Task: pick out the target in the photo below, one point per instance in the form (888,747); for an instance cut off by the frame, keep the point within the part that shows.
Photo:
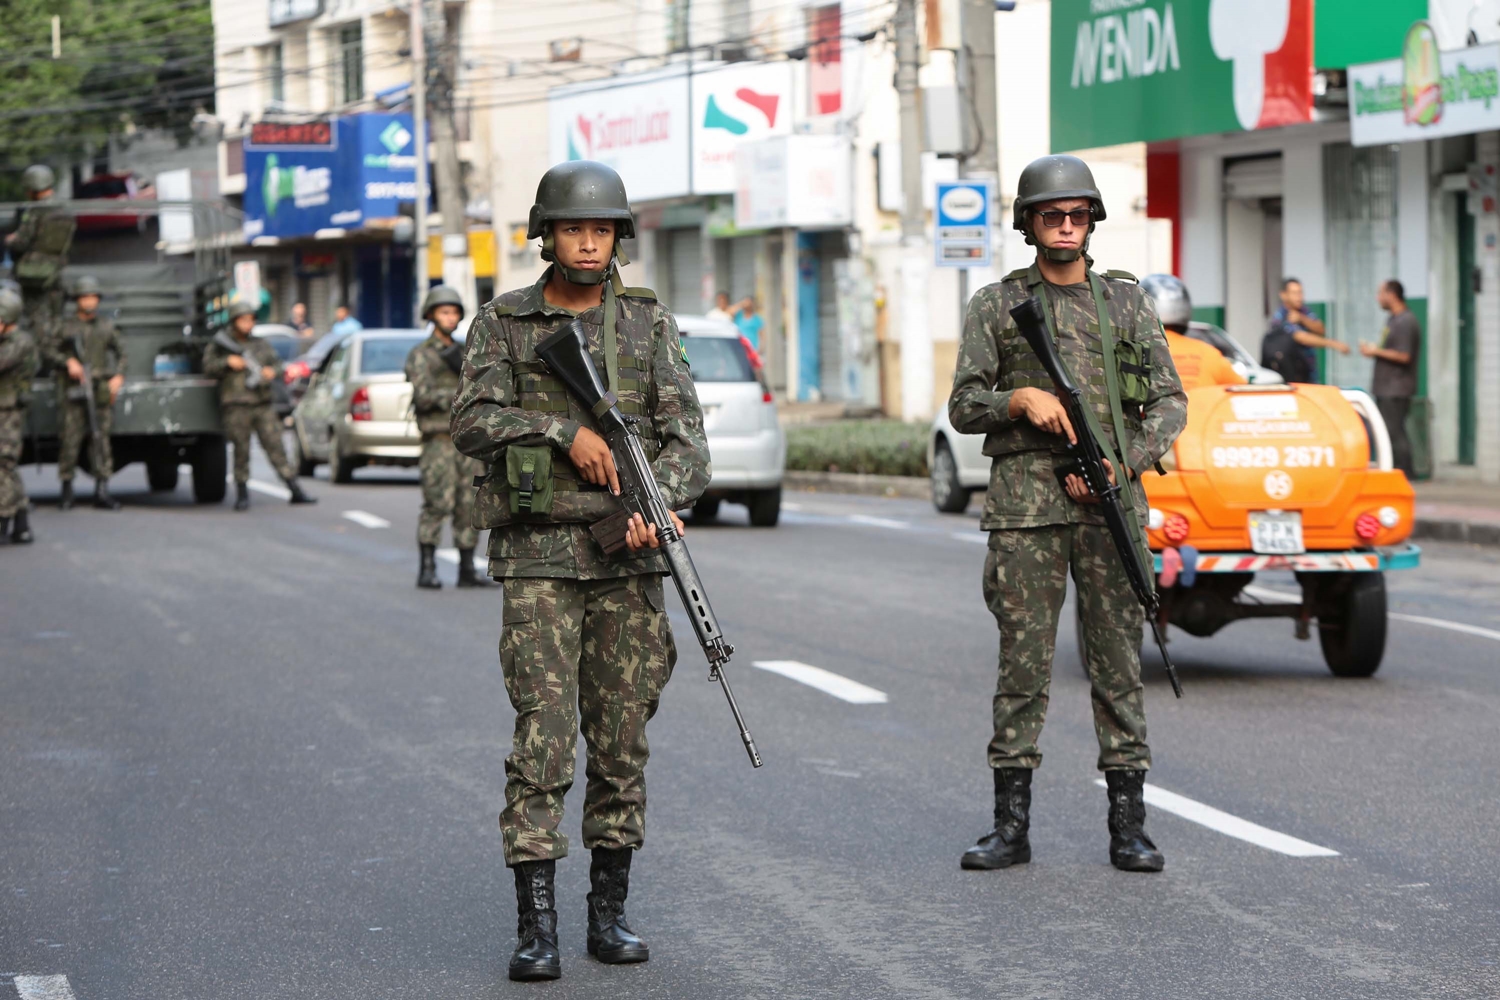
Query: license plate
(1276,532)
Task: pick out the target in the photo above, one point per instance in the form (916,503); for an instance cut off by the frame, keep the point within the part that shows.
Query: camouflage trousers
(1025,581)
(12,490)
(75,427)
(41,311)
(447,492)
(601,650)
(239,422)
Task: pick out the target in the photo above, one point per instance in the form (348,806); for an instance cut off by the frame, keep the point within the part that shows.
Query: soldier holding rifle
(585,633)
(1043,524)
(89,358)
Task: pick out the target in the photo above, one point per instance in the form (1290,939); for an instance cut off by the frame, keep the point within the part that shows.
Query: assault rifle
(253,377)
(1087,462)
(566,353)
(88,390)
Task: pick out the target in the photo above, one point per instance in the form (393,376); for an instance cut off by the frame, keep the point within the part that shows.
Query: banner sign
(1426,93)
(963,222)
(292,135)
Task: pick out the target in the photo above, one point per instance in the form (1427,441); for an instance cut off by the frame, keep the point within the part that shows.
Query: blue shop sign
(296,190)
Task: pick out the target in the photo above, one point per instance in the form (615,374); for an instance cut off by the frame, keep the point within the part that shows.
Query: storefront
(1284,149)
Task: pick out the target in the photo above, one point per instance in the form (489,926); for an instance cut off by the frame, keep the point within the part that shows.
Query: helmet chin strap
(1061,255)
(576,277)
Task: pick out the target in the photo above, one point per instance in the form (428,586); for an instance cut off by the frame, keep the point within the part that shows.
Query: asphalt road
(242,757)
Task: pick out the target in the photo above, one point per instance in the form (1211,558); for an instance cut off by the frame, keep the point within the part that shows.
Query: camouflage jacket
(232,389)
(40,245)
(433,386)
(505,399)
(994,361)
(103,351)
(19,359)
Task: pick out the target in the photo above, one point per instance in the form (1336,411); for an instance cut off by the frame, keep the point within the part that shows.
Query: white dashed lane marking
(44,988)
(880,522)
(270,489)
(1230,826)
(826,681)
(365,519)
(1284,597)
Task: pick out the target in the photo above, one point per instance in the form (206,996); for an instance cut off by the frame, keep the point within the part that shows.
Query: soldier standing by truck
(432,368)
(40,249)
(18,363)
(245,367)
(90,363)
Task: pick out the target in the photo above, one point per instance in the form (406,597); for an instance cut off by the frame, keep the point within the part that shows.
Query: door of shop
(1468,274)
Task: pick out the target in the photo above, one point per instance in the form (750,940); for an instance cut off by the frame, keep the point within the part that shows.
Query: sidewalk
(1458,511)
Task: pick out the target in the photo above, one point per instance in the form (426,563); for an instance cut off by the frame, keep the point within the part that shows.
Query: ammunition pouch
(556,494)
(528,473)
(1133,366)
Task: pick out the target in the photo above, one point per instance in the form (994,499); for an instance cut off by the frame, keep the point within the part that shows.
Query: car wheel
(706,509)
(765,507)
(162,474)
(1353,634)
(304,465)
(948,495)
(340,466)
(210,469)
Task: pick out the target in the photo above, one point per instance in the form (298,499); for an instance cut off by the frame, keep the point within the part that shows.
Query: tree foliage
(124,65)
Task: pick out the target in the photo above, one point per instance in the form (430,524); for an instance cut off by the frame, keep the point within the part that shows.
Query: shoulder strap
(639,292)
(611,339)
(1122,276)
(505,310)
(1112,382)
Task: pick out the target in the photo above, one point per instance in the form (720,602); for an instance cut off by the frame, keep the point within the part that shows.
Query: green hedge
(874,447)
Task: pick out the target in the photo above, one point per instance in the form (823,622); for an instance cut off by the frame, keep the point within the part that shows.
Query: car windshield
(285,347)
(386,355)
(718,359)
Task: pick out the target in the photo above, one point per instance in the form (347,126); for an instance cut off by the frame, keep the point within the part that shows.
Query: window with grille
(275,74)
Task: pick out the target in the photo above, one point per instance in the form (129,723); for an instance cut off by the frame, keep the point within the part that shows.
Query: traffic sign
(963,222)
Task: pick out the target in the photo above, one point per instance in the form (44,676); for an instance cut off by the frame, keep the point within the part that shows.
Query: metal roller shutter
(684,271)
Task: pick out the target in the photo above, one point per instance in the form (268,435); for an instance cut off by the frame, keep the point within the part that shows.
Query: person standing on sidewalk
(1294,322)
(432,368)
(1395,381)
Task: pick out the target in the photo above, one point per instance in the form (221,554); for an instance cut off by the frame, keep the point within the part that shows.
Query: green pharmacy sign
(1426,93)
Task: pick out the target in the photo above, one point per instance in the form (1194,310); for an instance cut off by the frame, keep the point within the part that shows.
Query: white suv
(745,440)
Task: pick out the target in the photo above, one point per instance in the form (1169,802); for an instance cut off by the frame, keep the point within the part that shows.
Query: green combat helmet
(85,284)
(241,307)
(443,295)
(581,189)
(10,307)
(38,178)
(1053,178)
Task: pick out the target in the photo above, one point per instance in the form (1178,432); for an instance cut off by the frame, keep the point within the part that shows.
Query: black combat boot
(241,496)
(536,955)
(610,938)
(297,495)
(466,575)
(102,498)
(20,527)
(65,498)
(427,578)
(1130,850)
(1007,844)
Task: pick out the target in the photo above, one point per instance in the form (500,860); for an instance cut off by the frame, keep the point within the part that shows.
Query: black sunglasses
(1054,218)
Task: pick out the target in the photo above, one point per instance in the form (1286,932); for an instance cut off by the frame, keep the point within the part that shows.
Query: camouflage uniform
(582,632)
(104,353)
(248,409)
(18,363)
(447,475)
(39,248)
(1037,533)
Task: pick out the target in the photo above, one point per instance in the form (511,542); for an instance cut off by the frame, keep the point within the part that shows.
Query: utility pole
(916,337)
(976,68)
(419,125)
(458,268)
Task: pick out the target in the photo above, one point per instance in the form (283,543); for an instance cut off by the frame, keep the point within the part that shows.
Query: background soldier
(1197,363)
(1039,530)
(18,363)
(104,356)
(40,248)
(245,367)
(583,634)
(432,368)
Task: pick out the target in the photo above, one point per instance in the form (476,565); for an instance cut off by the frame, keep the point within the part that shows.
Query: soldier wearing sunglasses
(1042,527)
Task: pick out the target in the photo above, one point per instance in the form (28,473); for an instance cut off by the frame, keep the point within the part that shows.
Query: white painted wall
(1202,169)
(1487,310)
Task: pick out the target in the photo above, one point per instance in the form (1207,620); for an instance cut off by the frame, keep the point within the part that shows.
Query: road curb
(908,487)
(1450,530)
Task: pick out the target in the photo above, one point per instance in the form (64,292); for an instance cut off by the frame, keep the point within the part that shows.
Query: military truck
(168,299)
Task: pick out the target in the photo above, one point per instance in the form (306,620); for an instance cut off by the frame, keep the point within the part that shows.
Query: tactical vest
(1083,353)
(40,265)
(537,483)
(232,388)
(443,377)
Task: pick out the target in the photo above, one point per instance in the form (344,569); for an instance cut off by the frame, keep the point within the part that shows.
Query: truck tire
(765,508)
(161,474)
(706,509)
(949,496)
(1353,636)
(210,467)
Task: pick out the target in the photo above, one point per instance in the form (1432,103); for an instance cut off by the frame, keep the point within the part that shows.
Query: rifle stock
(1088,462)
(566,355)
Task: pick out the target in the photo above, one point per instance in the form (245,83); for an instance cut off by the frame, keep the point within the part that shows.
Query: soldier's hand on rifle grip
(115,385)
(1079,490)
(1043,409)
(75,369)
(591,456)
(235,362)
(639,535)
(268,373)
